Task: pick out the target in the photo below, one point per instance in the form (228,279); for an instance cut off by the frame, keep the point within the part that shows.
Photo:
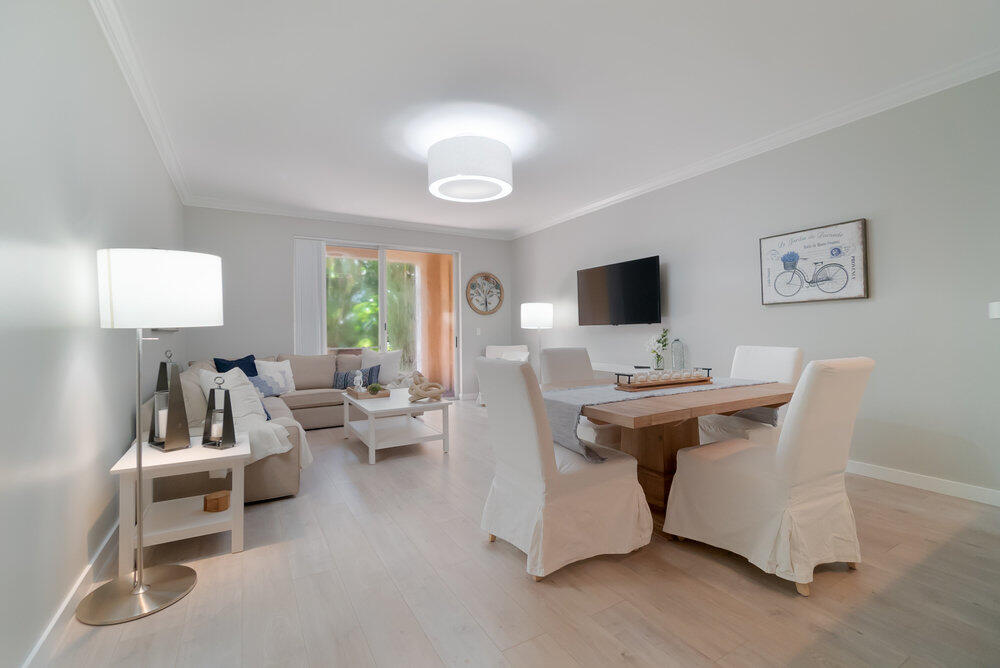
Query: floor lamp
(537,316)
(143,288)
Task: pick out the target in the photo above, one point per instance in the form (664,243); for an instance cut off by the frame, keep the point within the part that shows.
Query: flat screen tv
(626,293)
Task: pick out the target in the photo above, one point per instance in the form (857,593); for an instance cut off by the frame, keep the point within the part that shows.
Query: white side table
(176,519)
(390,421)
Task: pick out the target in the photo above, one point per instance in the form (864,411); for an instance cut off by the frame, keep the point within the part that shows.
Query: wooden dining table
(655,428)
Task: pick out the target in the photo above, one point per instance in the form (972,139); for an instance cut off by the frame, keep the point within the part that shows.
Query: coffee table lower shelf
(392,432)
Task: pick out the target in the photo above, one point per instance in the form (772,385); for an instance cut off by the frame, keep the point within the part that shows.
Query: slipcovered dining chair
(571,366)
(546,500)
(762,425)
(784,507)
(513,353)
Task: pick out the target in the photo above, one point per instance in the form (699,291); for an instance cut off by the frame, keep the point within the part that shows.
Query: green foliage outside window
(352,305)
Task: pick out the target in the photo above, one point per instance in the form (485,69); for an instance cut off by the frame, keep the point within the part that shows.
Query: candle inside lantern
(161,423)
(216,430)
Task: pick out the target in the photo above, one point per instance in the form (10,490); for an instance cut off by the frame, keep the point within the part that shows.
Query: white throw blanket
(266,437)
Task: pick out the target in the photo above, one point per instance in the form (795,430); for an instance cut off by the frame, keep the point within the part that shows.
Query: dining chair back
(782,364)
(517,425)
(565,365)
(816,438)
(546,500)
(512,353)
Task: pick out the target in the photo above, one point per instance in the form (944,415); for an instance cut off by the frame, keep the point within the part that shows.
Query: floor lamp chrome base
(116,601)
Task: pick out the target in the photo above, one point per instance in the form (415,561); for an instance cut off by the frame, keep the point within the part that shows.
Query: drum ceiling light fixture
(469,169)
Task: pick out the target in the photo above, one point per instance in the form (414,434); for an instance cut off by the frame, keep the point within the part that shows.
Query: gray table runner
(564,407)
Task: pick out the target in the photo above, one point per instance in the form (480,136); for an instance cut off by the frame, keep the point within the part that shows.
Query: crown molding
(911,91)
(120,40)
(350,219)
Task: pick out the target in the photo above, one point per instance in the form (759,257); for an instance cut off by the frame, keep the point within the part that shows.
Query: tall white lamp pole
(143,288)
(537,316)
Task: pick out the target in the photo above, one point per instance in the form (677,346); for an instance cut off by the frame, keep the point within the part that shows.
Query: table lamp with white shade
(144,288)
(538,316)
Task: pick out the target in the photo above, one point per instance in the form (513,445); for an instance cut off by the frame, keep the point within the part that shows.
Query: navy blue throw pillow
(345,379)
(246,364)
(370,375)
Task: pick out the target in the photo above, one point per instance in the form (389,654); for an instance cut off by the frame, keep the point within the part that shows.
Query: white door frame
(382,334)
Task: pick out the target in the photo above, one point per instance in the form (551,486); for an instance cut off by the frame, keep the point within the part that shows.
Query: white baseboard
(930,483)
(45,648)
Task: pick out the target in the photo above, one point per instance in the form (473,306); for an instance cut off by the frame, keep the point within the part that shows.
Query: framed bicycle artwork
(818,264)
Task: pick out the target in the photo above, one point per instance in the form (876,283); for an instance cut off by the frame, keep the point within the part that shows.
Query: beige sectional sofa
(313,404)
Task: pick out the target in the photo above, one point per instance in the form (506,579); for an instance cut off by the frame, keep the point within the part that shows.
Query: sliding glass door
(394,299)
(420,312)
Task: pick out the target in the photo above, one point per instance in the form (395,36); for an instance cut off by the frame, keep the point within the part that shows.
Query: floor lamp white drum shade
(469,169)
(994,309)
(146,288)
(536,315)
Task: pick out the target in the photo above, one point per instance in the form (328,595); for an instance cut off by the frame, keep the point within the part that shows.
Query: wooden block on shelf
(216,502)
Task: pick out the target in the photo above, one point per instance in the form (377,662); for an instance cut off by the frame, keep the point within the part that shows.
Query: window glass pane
(401,311)
(351,297)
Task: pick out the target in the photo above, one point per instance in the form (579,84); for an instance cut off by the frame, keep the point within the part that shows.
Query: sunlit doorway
(394,299)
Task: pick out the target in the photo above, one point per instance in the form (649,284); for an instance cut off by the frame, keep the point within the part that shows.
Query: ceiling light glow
(419,128)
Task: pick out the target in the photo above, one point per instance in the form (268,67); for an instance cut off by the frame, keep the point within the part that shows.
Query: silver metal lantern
(168,428)
(220,430)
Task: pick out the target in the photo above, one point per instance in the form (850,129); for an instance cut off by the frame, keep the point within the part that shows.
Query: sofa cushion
(207,365)
(313,398)
(312,371)
(277,408)
(348,362)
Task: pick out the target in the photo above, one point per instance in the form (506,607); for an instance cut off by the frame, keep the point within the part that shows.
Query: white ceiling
(320,107)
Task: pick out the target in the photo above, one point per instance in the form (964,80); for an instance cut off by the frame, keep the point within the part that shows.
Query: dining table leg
(655,449)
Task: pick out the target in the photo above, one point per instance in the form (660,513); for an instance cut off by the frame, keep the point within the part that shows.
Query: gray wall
(78,171)
(256,255)
(926,175)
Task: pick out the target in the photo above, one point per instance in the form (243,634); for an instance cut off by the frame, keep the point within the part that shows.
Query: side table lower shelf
(178,519)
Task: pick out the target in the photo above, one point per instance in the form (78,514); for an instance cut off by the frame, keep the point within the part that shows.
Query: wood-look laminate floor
(386,565)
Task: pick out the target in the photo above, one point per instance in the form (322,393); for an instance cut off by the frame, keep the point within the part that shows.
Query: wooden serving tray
(365,394)
(654,384)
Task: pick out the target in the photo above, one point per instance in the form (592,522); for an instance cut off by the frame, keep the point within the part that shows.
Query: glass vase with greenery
(657,345)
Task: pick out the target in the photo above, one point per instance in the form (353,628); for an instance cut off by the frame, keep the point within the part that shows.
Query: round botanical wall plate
(484,292)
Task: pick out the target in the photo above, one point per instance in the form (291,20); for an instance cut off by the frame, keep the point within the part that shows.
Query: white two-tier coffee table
(390,421)
(176,519)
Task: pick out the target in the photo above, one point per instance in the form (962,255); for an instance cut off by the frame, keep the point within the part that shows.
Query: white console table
(176,519)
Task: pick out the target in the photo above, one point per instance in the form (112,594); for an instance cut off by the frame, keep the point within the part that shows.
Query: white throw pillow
(389,363)
(242,393)
(275,376)
(195,403)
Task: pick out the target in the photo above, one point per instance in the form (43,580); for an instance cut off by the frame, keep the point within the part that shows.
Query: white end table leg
(347,417)
(444,428)
(371,440)
(236,508)
(126,524)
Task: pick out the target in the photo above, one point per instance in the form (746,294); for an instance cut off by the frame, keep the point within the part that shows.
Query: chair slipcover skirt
(575,520)
(778,533)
